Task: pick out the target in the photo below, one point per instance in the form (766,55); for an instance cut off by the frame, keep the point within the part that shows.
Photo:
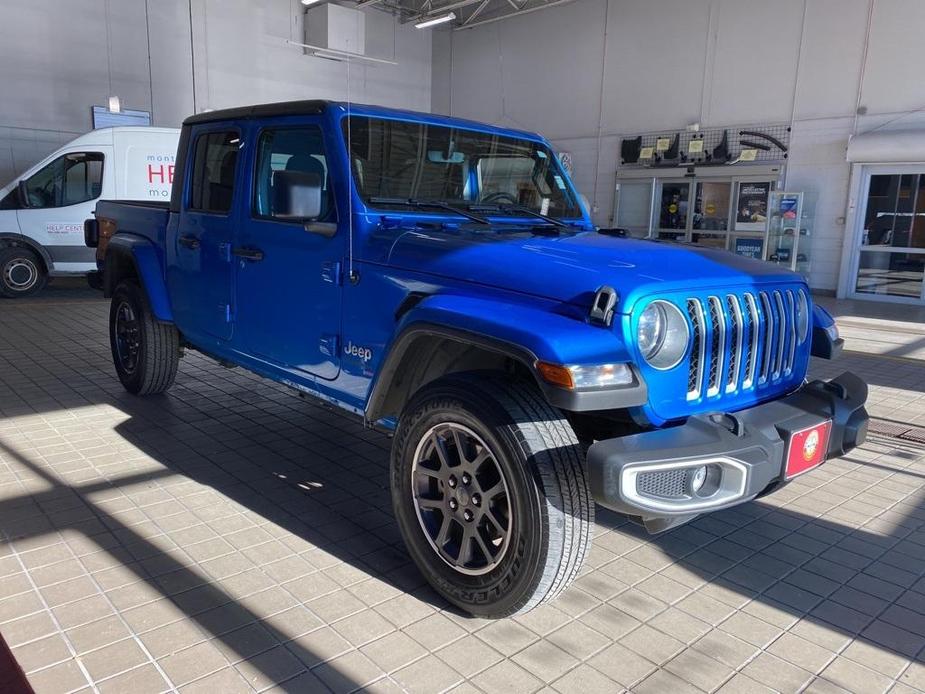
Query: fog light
(698,478)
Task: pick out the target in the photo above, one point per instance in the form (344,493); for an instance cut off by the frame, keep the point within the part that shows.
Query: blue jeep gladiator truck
(441,279)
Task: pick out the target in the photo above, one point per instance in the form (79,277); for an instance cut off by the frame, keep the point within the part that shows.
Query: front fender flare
(523,333)
(140,254)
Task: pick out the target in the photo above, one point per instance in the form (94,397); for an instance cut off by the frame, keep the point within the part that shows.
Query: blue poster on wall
(750,248)
(104,118)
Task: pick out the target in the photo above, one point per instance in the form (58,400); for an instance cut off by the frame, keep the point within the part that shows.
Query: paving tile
(63,677)
(652,644)
(545,660)
(854,677)
(144,678)
(801,652)
(663,681)
(192,663)
(508,637)
(397,649)
(578,640)
(227,681)
(726,648)
(585,679)
(28,628)
(97,634)
(348,672)
(505,676)
(41,653)
(113,659)
(773,672)
(428,674)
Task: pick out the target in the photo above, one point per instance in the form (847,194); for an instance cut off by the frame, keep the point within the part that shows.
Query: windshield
(403,160)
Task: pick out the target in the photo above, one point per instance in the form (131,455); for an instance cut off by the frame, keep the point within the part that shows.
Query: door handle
(248,253)
(190,242)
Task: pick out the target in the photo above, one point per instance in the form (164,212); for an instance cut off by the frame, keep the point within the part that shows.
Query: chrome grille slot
(781,327)
(735,342)
(750,339)
(698,345)
(792,332)
(717,345)
(767,347)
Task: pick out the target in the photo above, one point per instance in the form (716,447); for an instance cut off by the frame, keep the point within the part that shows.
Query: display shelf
(790,226)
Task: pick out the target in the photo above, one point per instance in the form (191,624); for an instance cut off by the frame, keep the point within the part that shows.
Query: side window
(292,180)
(83,177)
(214,160)
(68,180)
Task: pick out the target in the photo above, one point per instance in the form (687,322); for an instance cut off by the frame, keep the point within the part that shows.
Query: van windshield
(397,160)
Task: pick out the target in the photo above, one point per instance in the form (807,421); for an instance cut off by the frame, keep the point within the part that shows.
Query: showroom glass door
(672,210)
(710,221)
(890,258)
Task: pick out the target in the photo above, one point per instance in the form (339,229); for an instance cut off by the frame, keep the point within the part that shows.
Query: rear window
(215,159)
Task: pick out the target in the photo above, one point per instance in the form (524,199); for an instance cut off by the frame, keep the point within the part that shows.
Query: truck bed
(144,218)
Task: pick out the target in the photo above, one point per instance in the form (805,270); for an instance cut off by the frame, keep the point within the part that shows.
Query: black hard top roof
(283,108)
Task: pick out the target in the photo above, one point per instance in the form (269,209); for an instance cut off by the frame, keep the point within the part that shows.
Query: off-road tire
(158,344)
(552,511)
(22,272)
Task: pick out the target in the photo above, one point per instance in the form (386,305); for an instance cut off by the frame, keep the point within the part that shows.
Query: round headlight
(802,316)
(662,335)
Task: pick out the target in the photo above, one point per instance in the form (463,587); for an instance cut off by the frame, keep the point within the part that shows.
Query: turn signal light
(555,374)
(585,376)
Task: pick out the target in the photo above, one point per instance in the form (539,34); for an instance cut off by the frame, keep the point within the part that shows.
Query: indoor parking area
(462,346)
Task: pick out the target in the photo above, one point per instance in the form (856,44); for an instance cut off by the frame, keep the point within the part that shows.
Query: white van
(42,213)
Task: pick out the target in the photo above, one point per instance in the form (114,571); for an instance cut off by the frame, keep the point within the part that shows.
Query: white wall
(54,66)
(588,72)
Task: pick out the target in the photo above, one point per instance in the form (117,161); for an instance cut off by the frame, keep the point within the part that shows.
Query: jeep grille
(740,341)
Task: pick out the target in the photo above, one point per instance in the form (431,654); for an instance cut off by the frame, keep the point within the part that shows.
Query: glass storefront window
(895,211)
(891,274)
(633,210)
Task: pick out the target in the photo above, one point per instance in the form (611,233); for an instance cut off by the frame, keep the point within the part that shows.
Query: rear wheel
(490,492)
(145,352)
(22,272)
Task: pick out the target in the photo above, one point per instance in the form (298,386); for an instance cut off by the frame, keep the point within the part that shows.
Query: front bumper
(649,474)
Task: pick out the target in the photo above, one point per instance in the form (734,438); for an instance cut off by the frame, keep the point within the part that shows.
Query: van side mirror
(91,233)
(296,195)
(23,194)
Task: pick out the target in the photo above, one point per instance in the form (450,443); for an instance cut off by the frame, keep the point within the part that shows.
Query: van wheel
(145,352)
(490,492)
(22,272)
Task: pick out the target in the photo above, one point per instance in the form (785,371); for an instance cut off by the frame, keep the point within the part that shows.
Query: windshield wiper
(513,207)
(433,204)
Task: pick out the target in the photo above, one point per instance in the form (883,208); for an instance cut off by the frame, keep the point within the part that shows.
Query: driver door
(288,279)
(62,194)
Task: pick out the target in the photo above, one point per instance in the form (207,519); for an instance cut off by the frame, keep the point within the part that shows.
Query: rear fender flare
(130,255)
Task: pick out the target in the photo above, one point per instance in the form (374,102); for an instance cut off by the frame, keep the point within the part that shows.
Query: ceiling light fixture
(310,2)
(433,22)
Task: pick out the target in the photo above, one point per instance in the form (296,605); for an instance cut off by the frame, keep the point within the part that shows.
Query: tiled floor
(233,537)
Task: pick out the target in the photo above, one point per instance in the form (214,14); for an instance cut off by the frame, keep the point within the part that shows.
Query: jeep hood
(570,268)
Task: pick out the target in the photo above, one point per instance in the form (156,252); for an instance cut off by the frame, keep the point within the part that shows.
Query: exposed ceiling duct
(466,13)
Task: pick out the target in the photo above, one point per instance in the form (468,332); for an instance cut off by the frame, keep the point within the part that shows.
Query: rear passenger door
(199,263)
(288,279)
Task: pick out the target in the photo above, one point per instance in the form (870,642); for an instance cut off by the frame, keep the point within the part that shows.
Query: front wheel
(145,352)
(22,272)
(490,492)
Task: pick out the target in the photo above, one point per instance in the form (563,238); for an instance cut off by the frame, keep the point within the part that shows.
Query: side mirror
(297,195)
(23,194)
(91,233)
